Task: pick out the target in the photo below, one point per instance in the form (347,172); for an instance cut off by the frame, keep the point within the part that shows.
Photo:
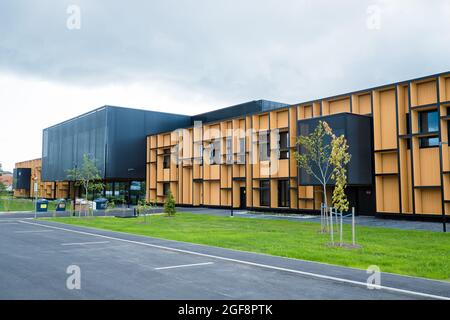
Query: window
(166,188)
(166,160)
(264,193)
(229,151)
(264,146)
(283,193)
(214,152)
(284,145)
(408,131)
(448,125)
(241,155)
(429,123)
(199,156)
(176,154)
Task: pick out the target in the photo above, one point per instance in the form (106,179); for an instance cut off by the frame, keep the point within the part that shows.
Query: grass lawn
(14,204)
(416,253)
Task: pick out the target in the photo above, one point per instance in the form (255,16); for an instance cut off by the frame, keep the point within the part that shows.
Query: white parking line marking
(33,231)
(315,275)
(185,265)
(83,243)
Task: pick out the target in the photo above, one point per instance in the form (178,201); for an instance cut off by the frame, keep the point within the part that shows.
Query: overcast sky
(192,56)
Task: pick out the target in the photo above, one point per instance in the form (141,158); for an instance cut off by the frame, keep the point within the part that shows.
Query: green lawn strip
(24,205)
(415,253)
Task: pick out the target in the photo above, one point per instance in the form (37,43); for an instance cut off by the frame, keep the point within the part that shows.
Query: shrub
(169,205)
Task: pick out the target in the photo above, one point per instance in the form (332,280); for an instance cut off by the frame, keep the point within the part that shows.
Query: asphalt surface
(35,255)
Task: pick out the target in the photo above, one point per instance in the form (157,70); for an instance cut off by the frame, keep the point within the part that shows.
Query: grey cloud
(289,50)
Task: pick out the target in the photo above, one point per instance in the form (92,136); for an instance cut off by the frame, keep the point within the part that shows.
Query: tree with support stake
(88,177)
(324,156)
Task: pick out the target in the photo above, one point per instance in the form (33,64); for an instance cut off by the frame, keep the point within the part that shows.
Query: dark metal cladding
(238,110)
(22,178)
(358,132)
(126,139)
(114,136)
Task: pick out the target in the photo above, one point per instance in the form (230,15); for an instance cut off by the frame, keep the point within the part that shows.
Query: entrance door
(366,201)
(363,199)
(242,197)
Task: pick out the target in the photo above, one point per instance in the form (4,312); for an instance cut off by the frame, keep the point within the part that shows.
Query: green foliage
(87,176)
(325,161)
(316,154)
(144,208)
(169,204)
(2,188)
(111,205)
(17,204)
(339,159)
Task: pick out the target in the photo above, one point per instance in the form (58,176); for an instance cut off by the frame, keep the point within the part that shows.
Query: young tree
(169,204)
(2,188)
(324,156)
(87,176)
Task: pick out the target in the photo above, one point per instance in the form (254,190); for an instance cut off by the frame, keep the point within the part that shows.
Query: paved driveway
(35,256)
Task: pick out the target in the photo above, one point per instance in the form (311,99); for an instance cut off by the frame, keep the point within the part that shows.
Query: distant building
(7,179)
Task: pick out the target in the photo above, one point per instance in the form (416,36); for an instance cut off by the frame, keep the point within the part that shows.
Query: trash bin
(101,203)
(61,205)
(41,205)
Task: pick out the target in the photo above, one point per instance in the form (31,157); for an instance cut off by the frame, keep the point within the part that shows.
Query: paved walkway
(360,220)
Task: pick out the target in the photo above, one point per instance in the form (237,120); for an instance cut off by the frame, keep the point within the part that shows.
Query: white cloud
(29,105)
(191,56)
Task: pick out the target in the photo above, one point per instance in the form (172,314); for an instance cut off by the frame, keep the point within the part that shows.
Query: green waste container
(41,205)
(101,204)
(61,205)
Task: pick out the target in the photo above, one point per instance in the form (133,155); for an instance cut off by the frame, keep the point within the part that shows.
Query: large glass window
(137,191)
(284,144)
(283,193)
(229,150)
(166,160)
(241,155)
(199,156)
(429,123)
(264,146)
(264,193)
(166,188)
(214,152)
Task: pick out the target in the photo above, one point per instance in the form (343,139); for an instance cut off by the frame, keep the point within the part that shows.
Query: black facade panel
(358,132)
(126,139)
(65,144)
(115,137)
(22,178)
(238,110)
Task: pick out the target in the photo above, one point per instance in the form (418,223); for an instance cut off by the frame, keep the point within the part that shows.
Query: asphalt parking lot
(35,257)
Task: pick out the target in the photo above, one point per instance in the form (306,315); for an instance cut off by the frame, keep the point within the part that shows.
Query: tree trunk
(324,186)
(87,201)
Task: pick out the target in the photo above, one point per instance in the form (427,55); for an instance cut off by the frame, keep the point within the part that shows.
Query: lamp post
(444,222)
(130,170)
(35,189)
